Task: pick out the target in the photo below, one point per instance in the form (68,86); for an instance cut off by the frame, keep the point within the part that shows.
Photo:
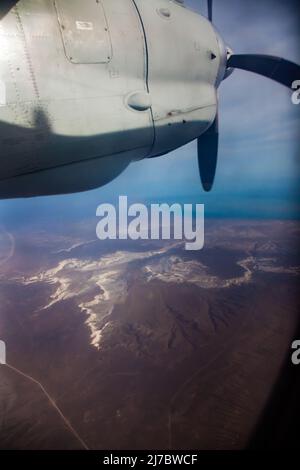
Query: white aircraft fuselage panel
(86,40)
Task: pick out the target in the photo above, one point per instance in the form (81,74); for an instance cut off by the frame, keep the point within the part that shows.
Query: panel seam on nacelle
(27,54)
(147,72)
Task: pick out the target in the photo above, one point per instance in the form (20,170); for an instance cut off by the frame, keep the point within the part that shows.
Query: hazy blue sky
(258,171)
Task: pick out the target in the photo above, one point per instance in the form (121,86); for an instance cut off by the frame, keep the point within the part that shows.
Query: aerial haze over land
(132,345)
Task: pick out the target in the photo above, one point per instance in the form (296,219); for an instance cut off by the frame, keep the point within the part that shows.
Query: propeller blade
(210,9)
(281,70)
(208,144)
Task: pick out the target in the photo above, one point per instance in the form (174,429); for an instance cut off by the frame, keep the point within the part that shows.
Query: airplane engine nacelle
(186,62)
(105,79)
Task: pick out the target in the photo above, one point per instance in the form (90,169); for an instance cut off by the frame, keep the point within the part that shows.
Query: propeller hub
(229,52)
(225,54)
(229,70)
